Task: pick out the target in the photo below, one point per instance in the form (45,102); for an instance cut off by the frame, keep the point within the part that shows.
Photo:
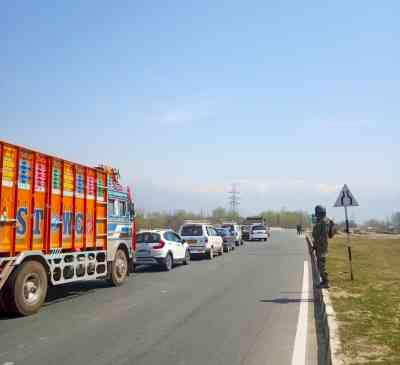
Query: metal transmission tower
(234,198)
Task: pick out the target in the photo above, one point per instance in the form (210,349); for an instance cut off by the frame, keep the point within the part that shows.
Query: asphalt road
(241,308)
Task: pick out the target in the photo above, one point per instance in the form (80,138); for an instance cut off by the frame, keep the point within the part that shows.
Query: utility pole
(234,199)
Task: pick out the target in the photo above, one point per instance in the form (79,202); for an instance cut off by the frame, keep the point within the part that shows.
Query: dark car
(245,232)
(228,239)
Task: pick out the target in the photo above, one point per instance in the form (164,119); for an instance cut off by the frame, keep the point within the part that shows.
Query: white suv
(161,247)
(202,238)
(235,229)
(258,232)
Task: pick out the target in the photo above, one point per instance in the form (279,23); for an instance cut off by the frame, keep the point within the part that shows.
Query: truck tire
(119,268)
(26,289)
(3,308)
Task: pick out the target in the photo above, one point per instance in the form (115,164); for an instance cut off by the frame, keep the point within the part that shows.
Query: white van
(202,239)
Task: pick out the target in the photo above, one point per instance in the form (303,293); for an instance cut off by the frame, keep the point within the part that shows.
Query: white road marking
(300,342)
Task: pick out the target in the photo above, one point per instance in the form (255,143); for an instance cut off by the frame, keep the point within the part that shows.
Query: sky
(290,100)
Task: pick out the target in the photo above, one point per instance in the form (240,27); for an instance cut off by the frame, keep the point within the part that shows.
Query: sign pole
(346,199)
(349,243)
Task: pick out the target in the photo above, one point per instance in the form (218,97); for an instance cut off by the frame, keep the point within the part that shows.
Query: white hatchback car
(202,239)
(162,248)
(258,232)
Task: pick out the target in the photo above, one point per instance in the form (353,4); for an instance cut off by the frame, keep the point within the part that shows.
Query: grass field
(368,309)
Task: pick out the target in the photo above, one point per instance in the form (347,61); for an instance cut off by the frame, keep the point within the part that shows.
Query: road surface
(241,308)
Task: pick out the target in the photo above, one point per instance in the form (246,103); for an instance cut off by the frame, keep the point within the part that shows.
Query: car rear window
(258,228)
(222,232)
(148,237)
(192,230)
(229,226)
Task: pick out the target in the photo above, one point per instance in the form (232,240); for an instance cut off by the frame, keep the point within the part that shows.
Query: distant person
(299,229)
(323,229)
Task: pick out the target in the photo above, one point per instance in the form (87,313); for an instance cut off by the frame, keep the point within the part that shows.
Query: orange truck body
(49,203)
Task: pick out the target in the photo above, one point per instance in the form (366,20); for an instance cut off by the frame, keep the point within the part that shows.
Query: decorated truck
(60,222)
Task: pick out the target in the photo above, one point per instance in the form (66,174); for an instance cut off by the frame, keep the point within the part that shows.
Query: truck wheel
(119,268)
(168,262)
(3,308)
(26,289)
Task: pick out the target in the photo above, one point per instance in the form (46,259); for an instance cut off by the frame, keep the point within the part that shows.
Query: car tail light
(225,239)
(206,240)
(160,244)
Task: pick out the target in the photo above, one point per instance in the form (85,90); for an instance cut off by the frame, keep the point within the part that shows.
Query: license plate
(143,253)
(190,242)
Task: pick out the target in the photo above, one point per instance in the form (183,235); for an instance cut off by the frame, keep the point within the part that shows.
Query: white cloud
(327,188)
(282,185)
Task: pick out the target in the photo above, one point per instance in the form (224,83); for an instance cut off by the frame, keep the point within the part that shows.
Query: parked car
(228,239)
(202,239)
(235,229)
(162,248)
(258,232)
(245,232)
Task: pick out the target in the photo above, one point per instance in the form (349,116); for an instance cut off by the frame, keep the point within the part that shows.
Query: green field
(368,309)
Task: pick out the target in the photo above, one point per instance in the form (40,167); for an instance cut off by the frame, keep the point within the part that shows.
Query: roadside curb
(326,317)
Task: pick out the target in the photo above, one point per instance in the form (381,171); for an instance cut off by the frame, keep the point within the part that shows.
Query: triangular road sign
(346,198)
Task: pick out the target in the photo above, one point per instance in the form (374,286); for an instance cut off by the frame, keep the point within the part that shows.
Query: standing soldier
(323,229)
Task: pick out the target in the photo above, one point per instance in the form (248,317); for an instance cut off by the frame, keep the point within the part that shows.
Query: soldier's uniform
(320,236)
(323,229)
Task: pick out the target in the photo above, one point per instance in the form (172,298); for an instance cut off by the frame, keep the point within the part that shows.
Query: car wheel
(168,262)
(26,289)
(221,251)
(187,258)
(119,268)
(210,254)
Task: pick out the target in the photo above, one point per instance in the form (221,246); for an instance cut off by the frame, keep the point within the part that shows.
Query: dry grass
(368,309)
